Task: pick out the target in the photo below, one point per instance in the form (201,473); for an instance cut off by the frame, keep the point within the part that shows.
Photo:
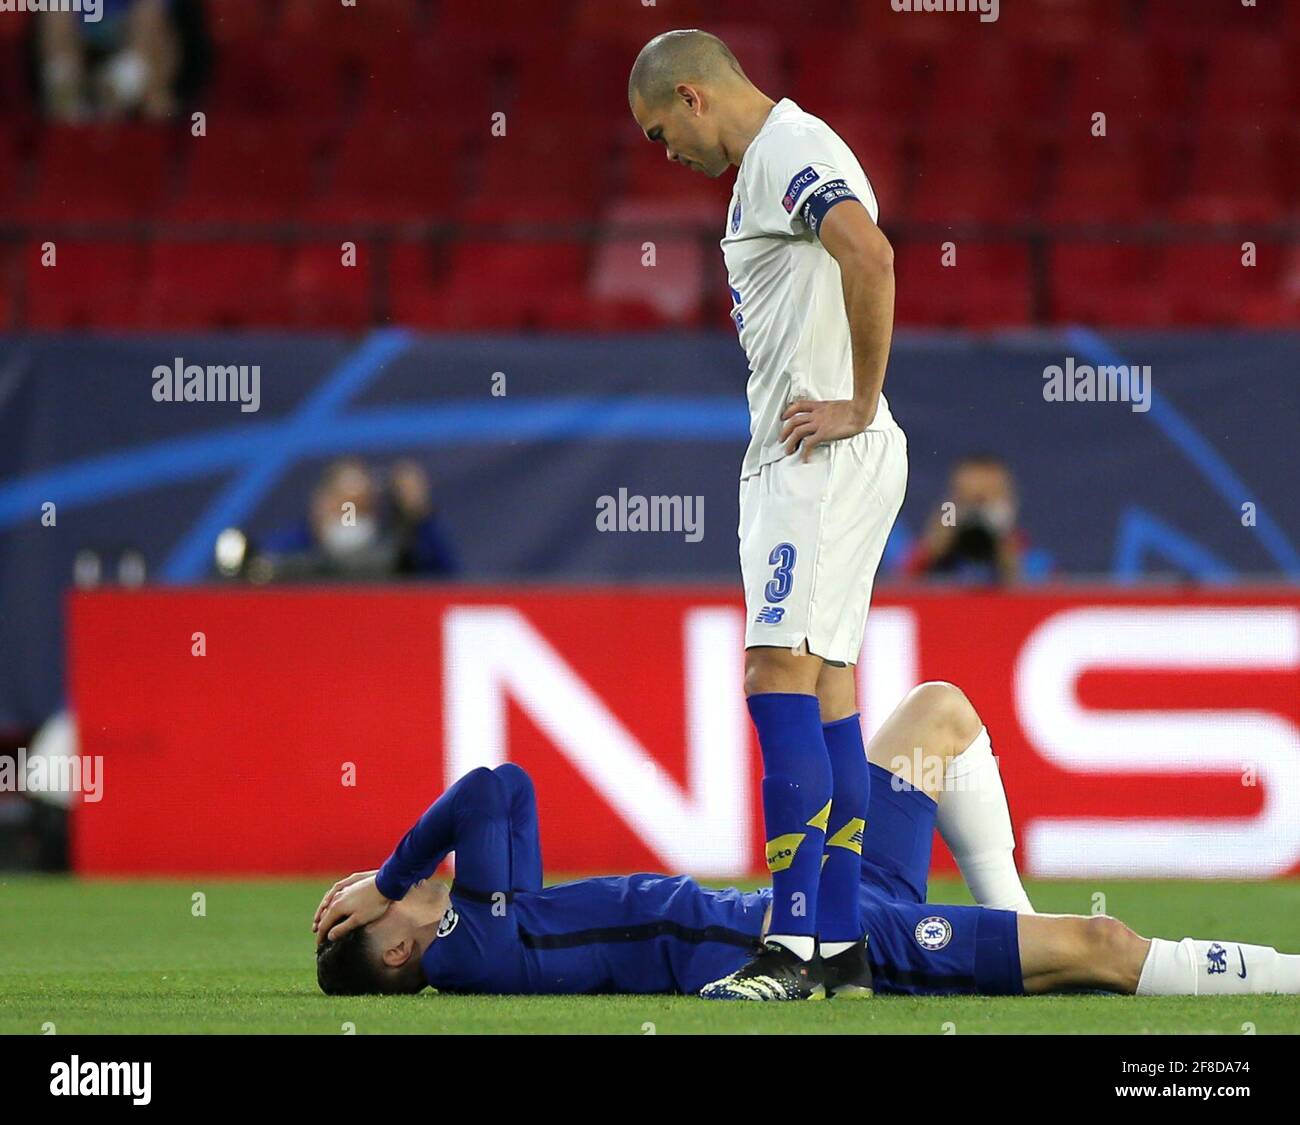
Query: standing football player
(812,287)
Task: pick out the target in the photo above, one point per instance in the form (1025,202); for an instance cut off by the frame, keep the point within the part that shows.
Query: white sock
(800,945)
(975,823)
(1216,968)
(830,948)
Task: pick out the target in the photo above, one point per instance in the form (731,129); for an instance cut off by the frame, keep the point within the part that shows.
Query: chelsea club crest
(933,933)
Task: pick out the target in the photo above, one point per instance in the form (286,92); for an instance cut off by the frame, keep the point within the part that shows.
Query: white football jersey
(787,299)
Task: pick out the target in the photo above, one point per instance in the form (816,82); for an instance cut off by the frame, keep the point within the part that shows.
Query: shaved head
(679,56)
(688,93)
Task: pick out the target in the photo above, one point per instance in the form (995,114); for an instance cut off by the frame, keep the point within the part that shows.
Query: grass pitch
(132,957)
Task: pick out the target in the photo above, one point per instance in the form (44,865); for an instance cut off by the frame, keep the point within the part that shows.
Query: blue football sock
(796,804)
(839,913)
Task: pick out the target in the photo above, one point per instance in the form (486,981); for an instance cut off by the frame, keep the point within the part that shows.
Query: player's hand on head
(333,892)
(355,905)
(809,423)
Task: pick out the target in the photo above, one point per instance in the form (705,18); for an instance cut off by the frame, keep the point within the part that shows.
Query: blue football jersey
(625,933)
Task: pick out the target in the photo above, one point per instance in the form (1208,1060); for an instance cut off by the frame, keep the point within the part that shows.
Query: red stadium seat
(402,81)
(375,120)
(283,76)
(1252,80)
(906,31)
(1103,179)
(14,28)
(878,148)
(964,176)
(533,173)
(975,89)
(12,179)
(14,95)
(1278,303)
(357,27)
(93,284)
(1207,283)
(206,285)
(413,289)
(758,47)
(1139,85)
(247,170)
(8,289)
(234,26)
(721,13)
(647,173)
(626,27)
(515,25)
(673,287)
(528,217)
(1108,283)
(498,284)
(832,73)
(597,76)
(1067,24)
(1288,161)
(987,287)
(1237,176)
(1193,26)
(393,171)
(100,173)
(580,312)
(324,293)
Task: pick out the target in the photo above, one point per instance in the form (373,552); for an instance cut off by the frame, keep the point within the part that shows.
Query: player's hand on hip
(333,892)
(812,423)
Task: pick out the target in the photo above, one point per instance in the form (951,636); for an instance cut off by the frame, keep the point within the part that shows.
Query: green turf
(125,957)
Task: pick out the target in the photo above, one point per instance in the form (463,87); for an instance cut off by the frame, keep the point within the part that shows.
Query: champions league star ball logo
(735,218)
(933,933)
(448,922)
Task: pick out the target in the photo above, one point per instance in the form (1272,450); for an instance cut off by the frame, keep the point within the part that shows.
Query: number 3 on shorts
(782,557)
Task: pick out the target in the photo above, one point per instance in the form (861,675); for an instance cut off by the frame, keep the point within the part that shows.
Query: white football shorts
(811,538)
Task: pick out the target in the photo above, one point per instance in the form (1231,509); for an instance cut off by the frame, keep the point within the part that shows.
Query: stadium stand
(321,129)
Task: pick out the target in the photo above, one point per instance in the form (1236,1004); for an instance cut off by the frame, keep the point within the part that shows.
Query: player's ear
(397,954)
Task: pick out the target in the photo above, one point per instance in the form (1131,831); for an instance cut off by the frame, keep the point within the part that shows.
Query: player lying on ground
(498,930)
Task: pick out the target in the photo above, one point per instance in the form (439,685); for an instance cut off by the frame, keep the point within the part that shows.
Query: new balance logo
(770,615)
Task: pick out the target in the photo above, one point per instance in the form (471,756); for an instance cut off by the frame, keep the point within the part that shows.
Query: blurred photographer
(360,526)
(972,537)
